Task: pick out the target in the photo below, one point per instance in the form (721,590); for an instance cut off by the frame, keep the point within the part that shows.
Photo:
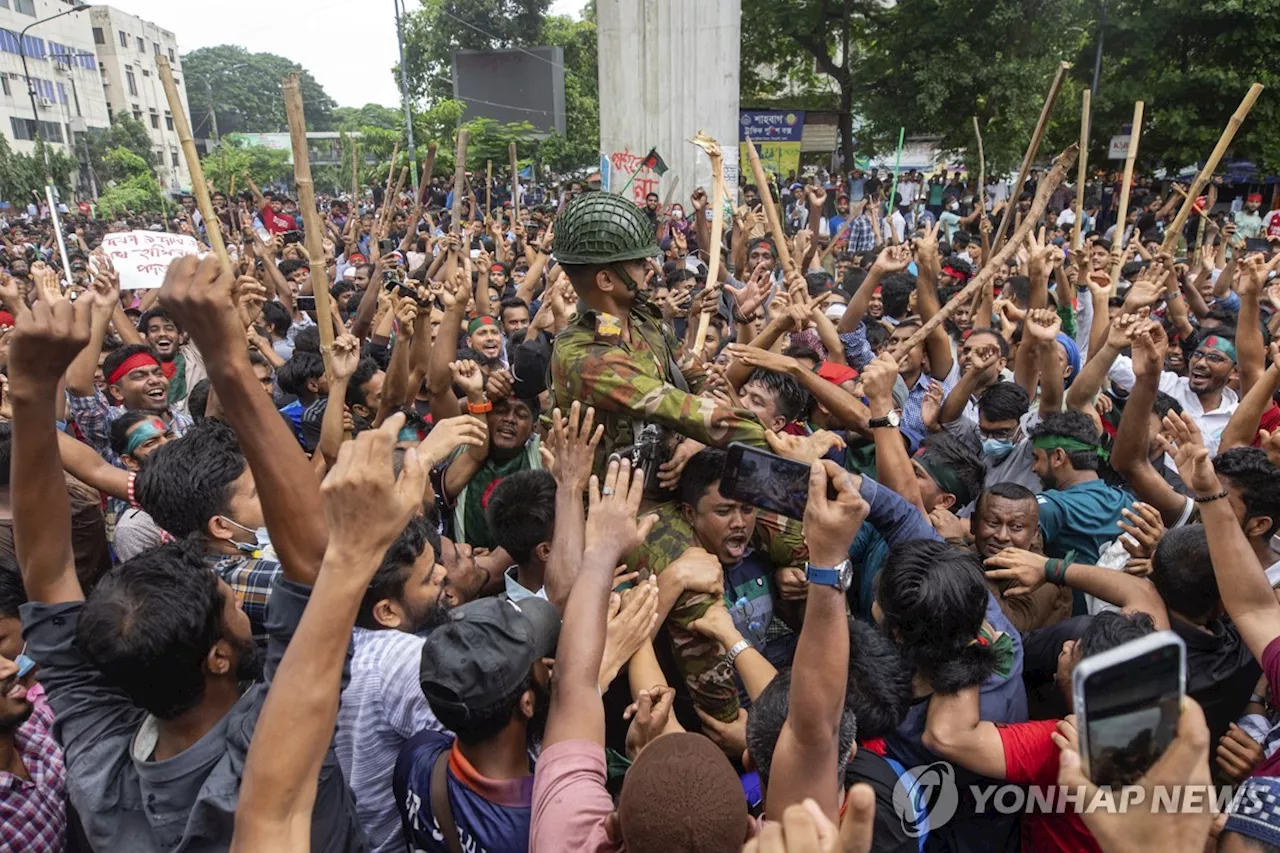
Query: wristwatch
(737,649)
(839,576)
(890,420)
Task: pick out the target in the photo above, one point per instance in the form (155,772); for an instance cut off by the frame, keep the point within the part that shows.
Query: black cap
(474,661)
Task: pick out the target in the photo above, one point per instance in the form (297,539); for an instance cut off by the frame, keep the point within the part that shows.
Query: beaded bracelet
(1211,498)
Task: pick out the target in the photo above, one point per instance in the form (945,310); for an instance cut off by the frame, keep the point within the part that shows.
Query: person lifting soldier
(616,355)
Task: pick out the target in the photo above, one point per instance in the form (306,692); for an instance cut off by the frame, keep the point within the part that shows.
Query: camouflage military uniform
(633,383)
(705,668)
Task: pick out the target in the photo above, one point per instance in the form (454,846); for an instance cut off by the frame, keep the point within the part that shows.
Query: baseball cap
(474,661)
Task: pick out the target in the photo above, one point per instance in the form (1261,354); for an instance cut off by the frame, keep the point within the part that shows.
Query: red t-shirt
(1031,758)
(277,223)
(1271,669)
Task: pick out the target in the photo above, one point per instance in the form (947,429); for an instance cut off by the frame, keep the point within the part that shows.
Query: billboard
(524,84)
(776,134)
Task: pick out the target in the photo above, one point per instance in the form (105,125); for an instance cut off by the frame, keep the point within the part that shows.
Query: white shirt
(1211,423)
(382,707)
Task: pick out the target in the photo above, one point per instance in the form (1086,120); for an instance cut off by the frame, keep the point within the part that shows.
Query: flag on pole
(653,160)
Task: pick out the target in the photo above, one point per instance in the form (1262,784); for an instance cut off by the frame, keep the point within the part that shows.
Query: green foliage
(490,140)
(235,157)
(370,115)
(1192,63)
(133,190)
(579,146)
(244,88)
(125,132)
(23,174)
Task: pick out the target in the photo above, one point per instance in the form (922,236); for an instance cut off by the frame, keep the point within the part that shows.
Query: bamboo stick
(1047,185)
(1180,191)
(770,212)
(1033,148)
(982,170)
(391,169)
(515,184)
(1086,119)
(1117,245)
(1237,118)
(198,187)
(712,148)
(459,179)
(355,174)
(310,217)
(428,169)
(488,189)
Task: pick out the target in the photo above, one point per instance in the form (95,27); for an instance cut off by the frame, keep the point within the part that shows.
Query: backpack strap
(440,802)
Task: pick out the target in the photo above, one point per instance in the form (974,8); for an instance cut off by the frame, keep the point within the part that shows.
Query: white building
(64,73)
(127,48)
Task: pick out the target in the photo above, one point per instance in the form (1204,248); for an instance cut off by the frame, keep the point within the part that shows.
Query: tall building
(64,73)
(127,48)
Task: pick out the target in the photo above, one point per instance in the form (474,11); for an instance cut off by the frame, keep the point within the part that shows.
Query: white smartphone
(1127,704)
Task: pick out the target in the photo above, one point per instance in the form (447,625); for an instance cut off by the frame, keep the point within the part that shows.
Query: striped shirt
(382,707)
(33,812)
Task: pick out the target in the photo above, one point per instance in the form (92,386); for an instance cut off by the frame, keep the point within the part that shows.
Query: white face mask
(953,207)
(677,213)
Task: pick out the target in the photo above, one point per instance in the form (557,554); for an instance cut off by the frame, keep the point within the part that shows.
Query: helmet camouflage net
(602,228)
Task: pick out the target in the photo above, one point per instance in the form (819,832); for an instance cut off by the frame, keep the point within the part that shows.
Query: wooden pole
(770,212)
(488,189)
(1171,233)
(1049,183)
(515,184)
(355,175)
(391,169)
(428,169)
(310,217)
(1180,191)
(1211,199)
(712,148)
(1123,210)
(459,180)
(1037,137)
(198,187)
(982,170)
(1086,119)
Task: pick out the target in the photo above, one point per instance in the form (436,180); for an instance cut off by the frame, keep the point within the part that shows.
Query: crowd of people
(464,579)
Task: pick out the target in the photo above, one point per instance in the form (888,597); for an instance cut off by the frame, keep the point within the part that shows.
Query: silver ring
(606,491)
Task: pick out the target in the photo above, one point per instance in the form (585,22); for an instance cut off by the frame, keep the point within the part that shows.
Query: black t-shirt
(1221,672)
(889,836)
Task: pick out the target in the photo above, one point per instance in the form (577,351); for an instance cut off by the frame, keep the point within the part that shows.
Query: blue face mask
(260,548)
(997,448)
(25,665)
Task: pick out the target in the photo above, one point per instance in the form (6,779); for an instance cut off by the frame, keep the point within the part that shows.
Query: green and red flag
(653,160)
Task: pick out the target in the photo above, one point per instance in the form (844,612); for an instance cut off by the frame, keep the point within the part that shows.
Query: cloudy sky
(350,52)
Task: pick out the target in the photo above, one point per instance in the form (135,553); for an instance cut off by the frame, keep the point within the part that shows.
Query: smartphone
(306,303)
(1127,704)
(291,237)
(475,253)
(760,478)
(1258,244)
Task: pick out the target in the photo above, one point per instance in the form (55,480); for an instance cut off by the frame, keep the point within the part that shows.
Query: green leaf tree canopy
(244,90)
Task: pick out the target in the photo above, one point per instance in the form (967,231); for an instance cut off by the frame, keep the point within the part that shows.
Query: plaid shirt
(862,237)
(251,580)
(33,812)
(94,415)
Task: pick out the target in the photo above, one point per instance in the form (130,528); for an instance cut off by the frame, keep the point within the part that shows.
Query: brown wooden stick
(391,169)
(1086,105)
(770,212)
(198,187)
(1237,118)
(310,217)
(488,189)
(355,172)
(712,148)
(1047,185)
(982,169)
(428,169)
(459,179)
(515,184)
(1180,191)
(1122,212)
(1032,150)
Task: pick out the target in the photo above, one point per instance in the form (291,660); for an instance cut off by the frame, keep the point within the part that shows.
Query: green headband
(483,320)
(1070,445)
(1221,344)
(144,432)
(946,479)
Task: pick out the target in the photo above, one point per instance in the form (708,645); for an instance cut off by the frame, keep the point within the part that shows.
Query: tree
(370,115)
(1191,63)
(236,157)
(441,27)
(135,190)
(244,89)
(579,146)
(23,174)
(125,132)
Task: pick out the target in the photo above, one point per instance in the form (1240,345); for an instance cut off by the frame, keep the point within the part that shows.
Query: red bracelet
(133,501)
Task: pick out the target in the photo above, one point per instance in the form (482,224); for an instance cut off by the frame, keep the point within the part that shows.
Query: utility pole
(404,94)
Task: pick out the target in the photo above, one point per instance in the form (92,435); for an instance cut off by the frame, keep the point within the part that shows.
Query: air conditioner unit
(46,102)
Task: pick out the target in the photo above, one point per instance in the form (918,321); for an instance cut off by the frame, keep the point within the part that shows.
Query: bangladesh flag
(653,160)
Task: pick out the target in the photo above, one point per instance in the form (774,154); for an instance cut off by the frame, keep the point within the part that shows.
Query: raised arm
(889,261)
(893,465)
(568,453)
(805,760)
(1087,385)
(365,509)
(42,345)
(1247,417)
(199,295)
(955,731)
(87,465)
(80,373)
(928,266)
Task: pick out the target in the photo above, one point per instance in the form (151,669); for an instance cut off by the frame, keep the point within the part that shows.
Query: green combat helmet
(602,228)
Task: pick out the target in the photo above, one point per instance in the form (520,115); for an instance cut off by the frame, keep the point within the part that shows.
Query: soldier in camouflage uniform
(616,355)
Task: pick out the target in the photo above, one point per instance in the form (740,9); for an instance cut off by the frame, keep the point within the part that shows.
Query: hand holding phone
(773,483)
(306,303)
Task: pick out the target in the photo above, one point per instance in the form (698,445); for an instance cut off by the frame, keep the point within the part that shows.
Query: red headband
(133,362)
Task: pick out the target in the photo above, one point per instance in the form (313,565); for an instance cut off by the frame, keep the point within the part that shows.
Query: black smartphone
(760,478)
(1258,244)
(306,303)
(291,237)
(1127,703)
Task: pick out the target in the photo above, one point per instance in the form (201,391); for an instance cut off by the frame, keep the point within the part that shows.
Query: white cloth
(1211,423)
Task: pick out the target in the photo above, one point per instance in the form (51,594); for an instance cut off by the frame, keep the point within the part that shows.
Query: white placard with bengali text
(142,257)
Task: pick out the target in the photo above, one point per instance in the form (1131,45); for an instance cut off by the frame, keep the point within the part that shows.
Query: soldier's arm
(702,664)
(611,381)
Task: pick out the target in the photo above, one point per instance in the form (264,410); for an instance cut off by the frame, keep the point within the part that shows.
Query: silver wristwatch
(737,649)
